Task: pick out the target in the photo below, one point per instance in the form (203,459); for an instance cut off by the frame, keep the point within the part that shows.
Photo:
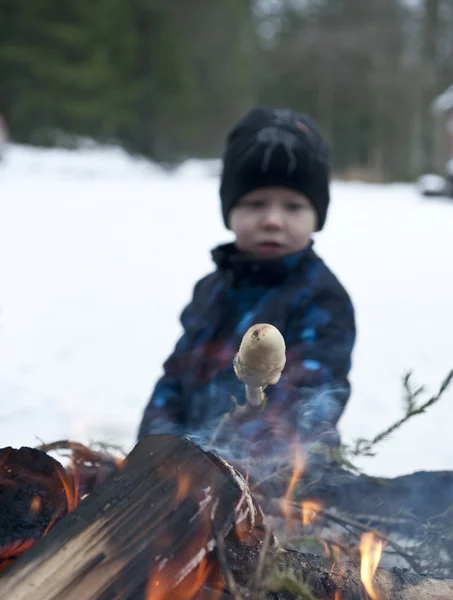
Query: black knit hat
(276,148)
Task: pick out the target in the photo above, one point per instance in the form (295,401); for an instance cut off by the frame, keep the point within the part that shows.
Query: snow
(99,253)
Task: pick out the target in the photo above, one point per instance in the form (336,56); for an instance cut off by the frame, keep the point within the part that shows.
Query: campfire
(173,521)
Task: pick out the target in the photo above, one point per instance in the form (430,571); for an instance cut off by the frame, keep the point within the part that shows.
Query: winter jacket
(300,296)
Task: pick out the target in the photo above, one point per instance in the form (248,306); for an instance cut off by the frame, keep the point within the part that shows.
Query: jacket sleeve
(314,387)
(165,412)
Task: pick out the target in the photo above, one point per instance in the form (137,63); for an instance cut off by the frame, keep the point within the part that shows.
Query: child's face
(272,222)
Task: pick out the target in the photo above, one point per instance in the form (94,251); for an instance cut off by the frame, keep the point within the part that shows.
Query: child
(274,195)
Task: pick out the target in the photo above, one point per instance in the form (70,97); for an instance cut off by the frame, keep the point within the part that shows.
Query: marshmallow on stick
(260,360)
(258,363)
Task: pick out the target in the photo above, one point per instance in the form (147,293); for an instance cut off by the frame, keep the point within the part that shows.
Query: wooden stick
(258,363)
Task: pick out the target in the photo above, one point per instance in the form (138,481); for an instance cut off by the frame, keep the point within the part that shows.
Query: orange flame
(183,487)
(299,464)
(200,577)
(35,506)
(370,551)
(339,571)
(309,510)
(160,587)
(205,570)
(174,577)
(71,489)
(243,534)
(9,552)
(120,463)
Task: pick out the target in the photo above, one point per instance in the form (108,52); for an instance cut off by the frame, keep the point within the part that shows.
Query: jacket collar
(237,266)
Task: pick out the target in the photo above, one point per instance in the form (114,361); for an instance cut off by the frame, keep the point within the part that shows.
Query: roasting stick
(258,363)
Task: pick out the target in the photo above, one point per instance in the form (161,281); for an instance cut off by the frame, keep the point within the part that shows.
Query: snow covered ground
(99,252)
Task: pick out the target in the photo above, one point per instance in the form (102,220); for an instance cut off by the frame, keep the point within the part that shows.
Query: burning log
(146,532)
(35,493)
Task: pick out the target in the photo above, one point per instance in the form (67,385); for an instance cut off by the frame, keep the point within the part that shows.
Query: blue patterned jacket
(299,295)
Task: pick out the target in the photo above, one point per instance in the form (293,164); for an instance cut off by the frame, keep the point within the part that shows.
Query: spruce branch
(412,407)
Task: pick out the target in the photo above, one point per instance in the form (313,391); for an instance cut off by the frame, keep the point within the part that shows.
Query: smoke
(265,447)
